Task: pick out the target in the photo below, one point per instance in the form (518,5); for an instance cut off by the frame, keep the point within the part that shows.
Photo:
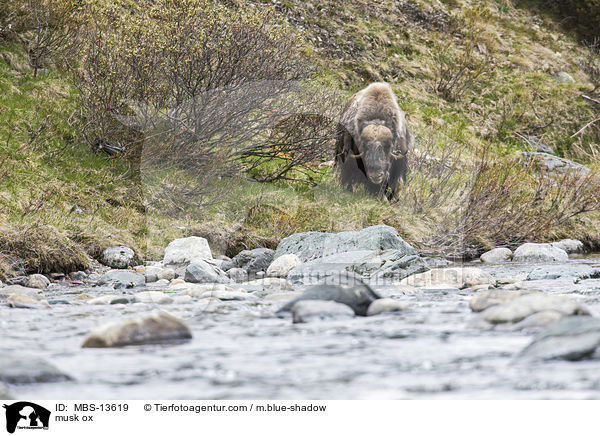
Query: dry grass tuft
(42,249)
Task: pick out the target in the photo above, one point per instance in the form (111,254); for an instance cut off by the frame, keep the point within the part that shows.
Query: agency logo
(26,415)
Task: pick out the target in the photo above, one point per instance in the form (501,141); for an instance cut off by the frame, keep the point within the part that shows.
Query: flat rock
(229,295)
(497,255)
(155,297)
(318,310)
(282,296)
(376,266)
(571,338)
(406,289)
(552,272)
(538,319)
(458,277)
(25,302)
(7,291)
(28,368)
(187,250)
(122,278)
(492,297)
(158,327)
(359,296)
(385,305)
(523,306)
(118,257)
(203,272)
(104,299)
(554,164)
(313,245)
(569,245)
(282,266)
(197,291)
(531,252)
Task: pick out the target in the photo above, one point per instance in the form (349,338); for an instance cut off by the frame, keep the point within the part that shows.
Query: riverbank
(439,335)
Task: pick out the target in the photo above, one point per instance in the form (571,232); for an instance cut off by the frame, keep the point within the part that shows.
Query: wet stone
(385,305)
(28,368)
(523,306)
(158,327)
(317,310)
(122,279)
(571,338)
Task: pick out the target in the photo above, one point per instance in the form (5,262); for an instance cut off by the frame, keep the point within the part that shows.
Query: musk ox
(373,141)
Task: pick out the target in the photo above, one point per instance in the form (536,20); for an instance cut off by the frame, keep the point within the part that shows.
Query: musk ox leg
(398,171)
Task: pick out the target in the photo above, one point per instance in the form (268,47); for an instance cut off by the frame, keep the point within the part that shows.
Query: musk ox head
(375,146)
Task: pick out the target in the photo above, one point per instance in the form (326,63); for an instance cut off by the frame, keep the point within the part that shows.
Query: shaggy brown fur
(373,141)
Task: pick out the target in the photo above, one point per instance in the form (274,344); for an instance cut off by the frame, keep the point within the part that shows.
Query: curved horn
(356,156)
(398,155)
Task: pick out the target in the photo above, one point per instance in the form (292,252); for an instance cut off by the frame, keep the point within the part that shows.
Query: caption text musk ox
(373,141)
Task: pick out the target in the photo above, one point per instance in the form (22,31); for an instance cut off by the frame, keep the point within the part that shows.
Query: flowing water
(240,351)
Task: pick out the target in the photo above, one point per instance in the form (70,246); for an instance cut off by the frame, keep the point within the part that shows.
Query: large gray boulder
(571,338)
(252,261)
(119,257)
(184,251)
(158,327)
(313,245)
(201,271)
(531,252)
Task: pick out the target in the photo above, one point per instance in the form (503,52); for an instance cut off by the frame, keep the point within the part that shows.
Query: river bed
(239,350)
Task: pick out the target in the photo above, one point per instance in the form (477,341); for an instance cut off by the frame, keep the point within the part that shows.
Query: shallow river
(240,351)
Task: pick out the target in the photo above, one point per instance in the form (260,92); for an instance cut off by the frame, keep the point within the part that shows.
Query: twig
(590,98)
(581,130)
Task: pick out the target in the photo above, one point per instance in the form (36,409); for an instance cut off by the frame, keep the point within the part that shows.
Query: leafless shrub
(456,72)
(509,202)
(43,27)
(591,64)
(436,174)
(201,90)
